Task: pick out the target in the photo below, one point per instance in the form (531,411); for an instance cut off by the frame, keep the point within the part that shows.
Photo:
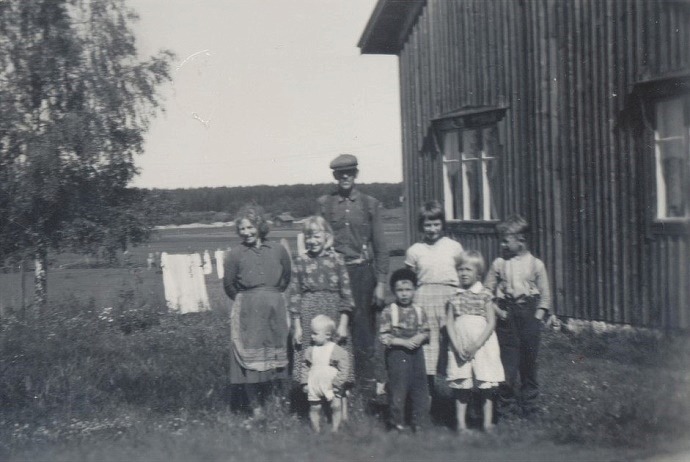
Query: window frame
(660,182)
(452,125)
(649,93)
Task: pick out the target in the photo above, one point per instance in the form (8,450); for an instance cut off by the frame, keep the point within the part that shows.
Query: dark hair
(474,258)
(431,210)
(403,274)
(255,215)
(514,224)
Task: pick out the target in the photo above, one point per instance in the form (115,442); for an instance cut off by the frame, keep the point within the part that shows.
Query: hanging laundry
(220,263)
(207,266)
(184,283)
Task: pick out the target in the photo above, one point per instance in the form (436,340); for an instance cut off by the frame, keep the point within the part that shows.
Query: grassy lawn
(76,387)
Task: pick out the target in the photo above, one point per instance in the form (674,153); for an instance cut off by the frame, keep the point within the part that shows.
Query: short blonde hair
(322,321)
(474,258)
(317,223)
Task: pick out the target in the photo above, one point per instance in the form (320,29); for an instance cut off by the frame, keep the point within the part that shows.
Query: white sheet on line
(184,283)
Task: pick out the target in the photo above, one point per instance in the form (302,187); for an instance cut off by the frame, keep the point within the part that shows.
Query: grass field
(78,382)
(75,387)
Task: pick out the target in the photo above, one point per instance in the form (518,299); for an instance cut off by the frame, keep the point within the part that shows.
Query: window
(470,144)
(664,110)
(672,158)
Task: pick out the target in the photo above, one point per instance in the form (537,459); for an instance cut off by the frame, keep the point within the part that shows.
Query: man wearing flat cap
(358,235)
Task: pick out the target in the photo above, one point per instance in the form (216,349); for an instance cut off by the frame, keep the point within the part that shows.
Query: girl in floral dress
(320,285)
(474,359)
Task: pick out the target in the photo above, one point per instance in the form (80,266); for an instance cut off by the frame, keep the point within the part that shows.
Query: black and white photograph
(344,230)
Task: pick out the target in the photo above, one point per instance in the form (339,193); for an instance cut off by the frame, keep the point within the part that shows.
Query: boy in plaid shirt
(404,328)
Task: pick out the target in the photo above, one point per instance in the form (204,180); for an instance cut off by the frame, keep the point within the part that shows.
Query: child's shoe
(398,429)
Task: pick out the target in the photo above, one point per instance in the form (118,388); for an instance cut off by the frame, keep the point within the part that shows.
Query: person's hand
(305,388)
(297,335)
(342,333)
(410,344)
(380,293)
(553,322)
(539,314)
(503,314)
(416,341)
(470,351)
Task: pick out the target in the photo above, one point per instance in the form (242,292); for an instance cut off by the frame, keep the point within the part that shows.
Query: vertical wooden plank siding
(569,162)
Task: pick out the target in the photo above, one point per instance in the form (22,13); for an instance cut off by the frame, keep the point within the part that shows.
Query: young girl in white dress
(324,372)
(474,357)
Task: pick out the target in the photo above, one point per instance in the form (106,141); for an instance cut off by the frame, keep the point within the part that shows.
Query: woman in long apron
(256,274)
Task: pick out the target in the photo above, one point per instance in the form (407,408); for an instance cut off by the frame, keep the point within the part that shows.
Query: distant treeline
(298,199)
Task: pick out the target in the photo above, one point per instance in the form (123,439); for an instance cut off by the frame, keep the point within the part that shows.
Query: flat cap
(344,162)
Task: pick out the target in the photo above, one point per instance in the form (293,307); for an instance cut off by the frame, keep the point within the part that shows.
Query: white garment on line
(220,263)
(208,266)
(184,283)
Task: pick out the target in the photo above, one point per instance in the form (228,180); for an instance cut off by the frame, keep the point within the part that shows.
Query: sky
(267,92)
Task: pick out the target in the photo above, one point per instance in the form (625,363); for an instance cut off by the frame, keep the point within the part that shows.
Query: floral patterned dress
(320,285)
(485,369)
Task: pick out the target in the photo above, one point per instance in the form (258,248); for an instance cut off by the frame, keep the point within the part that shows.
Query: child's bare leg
(315,416)
(343,408)
(460,412)
(462,398)
(488,407)
(336,413)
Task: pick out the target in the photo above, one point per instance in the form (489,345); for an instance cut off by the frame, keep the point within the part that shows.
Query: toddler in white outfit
(324,373)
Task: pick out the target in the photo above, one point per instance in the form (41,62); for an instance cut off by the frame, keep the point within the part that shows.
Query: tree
(75,102)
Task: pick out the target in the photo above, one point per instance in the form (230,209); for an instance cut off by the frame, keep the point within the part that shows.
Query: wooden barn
(573,113)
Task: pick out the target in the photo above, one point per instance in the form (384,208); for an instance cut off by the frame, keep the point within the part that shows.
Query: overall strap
(418,310)
(534,264)
(329,350)
(394,315)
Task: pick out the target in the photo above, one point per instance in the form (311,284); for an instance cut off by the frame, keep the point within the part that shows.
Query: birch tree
(75,102)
